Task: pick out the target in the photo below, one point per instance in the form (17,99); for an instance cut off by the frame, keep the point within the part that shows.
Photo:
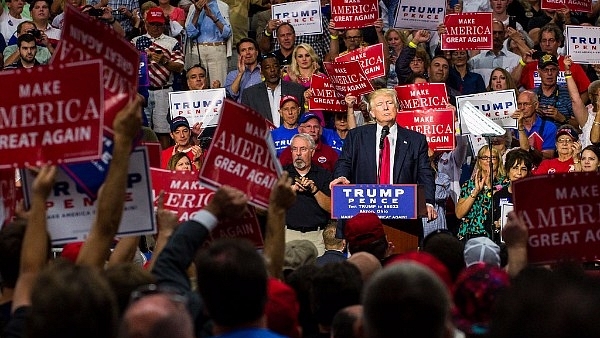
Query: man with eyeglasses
(533,131)
(484,62)
(527,75)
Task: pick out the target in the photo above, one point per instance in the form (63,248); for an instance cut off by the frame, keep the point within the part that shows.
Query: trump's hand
(339,180)
(431,213)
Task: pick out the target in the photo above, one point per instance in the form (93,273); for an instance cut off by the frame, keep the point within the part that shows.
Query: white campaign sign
(203,106)
(497,106)
(419,14)
(305,16)
(70,213)
(583,44)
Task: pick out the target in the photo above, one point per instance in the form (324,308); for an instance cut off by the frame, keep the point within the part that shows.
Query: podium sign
(389,201)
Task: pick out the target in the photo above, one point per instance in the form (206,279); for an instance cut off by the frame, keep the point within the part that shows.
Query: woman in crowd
(568,149)
(461,78)
(305,63)
(420,63)
(180,162)
(172,13)
(518,165)
(500,79)
(396,41)
(590,159)
(475,203)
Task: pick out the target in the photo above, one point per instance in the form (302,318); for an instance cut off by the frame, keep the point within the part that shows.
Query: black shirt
(306,212)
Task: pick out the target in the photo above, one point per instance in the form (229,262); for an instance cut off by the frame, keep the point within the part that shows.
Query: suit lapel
(402,144)
(263,100)
(371,144)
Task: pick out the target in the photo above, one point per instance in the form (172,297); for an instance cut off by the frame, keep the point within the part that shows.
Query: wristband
(568,76)
(267,33)
(333,37)
(522,63)
(576,162)
(522,129)
(412,45)
(596,123)
(316,191)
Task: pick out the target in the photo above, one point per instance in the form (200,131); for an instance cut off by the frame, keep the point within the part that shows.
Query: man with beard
(27,51)
(264,97)
(308,216)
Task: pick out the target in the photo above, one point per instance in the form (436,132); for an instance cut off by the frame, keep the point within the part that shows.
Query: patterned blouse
(478,220)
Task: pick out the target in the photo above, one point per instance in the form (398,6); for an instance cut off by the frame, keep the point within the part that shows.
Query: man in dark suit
(264,97)
(409,163)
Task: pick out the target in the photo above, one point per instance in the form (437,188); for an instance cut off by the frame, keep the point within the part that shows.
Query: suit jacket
(358,162)
(256,97)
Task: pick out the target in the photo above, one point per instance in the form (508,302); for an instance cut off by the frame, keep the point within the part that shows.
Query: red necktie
(384,175)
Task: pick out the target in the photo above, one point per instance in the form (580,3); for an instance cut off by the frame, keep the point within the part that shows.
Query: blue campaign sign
(389,201)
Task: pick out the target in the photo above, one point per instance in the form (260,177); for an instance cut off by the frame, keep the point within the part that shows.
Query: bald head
(347,323)
(366,263)
(157,316)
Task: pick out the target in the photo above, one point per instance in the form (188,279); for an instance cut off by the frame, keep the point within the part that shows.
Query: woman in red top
(568,149)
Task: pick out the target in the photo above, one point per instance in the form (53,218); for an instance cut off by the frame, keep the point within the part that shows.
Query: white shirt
(392,137)
(8,25)
(274,98)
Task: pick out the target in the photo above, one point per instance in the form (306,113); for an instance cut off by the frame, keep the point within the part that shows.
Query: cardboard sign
(582,43)
(239,155)
(498,106)
(154,153)
(467,31)
(348,14)
(561,212)
(505,208)
(574,5)
(370,58)
(418,14)
(389,201)
(203,106)
(8,196)
(422,96)
(86,38)
(436,125)
(324,96)
(348,77)
(71,212)
(144,79)
(185,196)
(305,16)
(47,116)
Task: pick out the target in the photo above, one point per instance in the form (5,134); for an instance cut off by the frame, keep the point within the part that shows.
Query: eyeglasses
(358,37)
(519,104)
(564,140)
(487,158)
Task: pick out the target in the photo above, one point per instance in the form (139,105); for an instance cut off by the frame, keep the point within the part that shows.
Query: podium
(399,206)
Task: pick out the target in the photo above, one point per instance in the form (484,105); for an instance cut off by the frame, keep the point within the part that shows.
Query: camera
(96,12)
(36,33)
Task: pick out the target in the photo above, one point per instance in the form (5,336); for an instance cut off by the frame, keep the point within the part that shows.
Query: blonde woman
(476,196)
(305,63)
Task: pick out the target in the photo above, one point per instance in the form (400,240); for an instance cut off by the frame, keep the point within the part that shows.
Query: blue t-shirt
(282,137)
(331,138)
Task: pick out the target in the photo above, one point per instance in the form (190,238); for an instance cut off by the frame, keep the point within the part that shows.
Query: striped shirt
(159,75)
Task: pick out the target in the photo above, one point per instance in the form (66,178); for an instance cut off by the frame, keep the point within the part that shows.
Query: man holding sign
(386,153)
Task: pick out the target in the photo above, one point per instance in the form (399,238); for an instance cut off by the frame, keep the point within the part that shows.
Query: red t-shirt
(553,165)
(167,153)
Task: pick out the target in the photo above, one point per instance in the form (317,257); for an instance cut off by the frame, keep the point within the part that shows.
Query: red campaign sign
(467,31)
(8,196)
(324,96)
(573,5)
(348,14)
(185,196)
(154,153)
(86,38)
(370,58)
(564,223)
(422,95)
(348,77)
(239,155)
(436,125)
(47,116)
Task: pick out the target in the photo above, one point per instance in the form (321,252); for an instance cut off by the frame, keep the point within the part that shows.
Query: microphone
(384,132)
